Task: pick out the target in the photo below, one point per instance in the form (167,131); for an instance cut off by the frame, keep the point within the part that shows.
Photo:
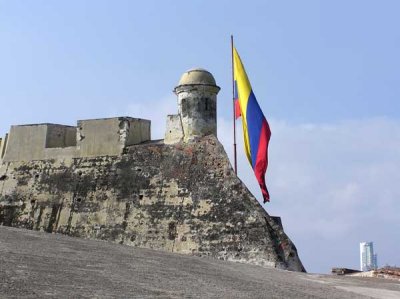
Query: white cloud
(334,185)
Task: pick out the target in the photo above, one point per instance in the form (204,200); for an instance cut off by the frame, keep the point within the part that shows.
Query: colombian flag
(256,130)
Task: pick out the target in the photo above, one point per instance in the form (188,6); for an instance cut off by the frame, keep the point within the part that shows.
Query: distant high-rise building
(375,260)
(368,259)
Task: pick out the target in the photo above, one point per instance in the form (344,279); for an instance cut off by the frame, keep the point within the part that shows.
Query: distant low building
(368,259)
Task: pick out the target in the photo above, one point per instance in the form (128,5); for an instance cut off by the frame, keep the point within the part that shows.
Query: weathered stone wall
(109,136)
(60,136)
(183,198)
(26,143)
(94,137)
(138,130)
(174,131)
(3,146)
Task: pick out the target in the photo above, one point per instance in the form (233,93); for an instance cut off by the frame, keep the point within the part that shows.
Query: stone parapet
(93,137)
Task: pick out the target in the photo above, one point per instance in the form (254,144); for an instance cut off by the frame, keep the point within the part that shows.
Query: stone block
(174,132)
(3,146)
(109,136)
(33,142)
(60,136)
(26,143)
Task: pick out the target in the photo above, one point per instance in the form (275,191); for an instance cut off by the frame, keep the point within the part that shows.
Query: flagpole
(234,114)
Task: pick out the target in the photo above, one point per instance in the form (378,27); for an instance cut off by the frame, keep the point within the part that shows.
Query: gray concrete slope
(35,264)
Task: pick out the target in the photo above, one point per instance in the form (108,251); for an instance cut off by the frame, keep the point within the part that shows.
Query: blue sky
(326,74)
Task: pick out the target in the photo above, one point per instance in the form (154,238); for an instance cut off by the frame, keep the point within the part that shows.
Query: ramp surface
(36,264)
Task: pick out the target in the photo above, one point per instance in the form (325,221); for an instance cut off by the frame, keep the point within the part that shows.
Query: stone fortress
(106,179)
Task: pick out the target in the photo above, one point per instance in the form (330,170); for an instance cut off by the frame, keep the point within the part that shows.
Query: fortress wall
(41,141)
(59,136)
(64,153)
(26,143)
(173,132)
(109,136)
(98,137)
(139,131)
(3,147)
(70,136)
(183,198)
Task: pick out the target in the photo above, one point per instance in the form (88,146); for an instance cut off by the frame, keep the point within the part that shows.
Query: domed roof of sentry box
(197,76)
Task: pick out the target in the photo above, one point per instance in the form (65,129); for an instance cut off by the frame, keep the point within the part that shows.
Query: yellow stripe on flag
(244,89)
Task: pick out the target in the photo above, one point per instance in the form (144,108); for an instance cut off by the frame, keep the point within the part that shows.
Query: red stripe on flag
(262,159)
(237,109)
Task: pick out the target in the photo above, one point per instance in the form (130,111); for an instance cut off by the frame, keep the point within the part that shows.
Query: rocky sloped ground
(41,265)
